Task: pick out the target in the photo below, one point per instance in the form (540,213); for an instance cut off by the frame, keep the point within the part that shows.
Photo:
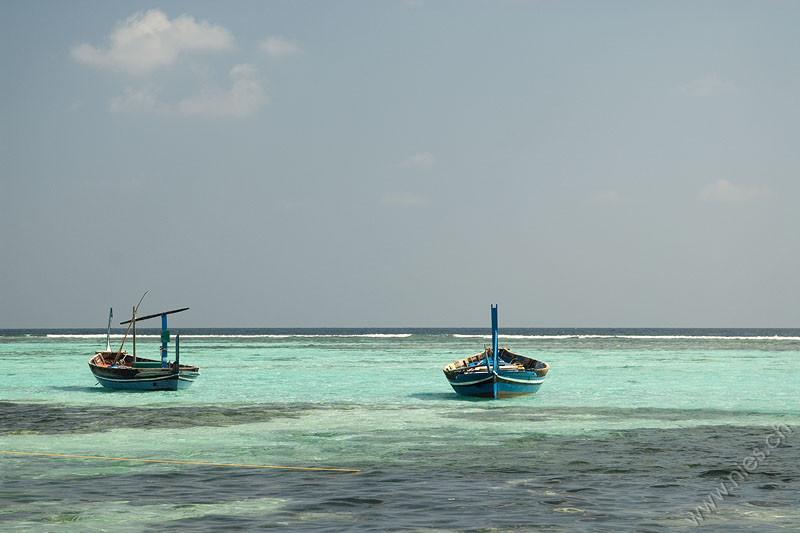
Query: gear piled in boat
(484,375)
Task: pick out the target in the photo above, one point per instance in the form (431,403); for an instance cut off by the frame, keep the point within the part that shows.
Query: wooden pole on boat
(495,353)
(139,319)
(134,334)
(129,327)
(119,352)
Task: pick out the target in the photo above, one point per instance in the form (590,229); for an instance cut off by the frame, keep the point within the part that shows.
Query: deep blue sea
(633,430)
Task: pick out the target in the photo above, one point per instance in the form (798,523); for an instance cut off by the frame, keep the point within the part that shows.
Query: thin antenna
(108,331)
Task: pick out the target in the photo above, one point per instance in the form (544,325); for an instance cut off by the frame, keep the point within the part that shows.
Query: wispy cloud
(242,100)
(279,48)
(147,41)
(707,85)
(140,100)
(405,199)
(725,191)
(419,160)
(245,97)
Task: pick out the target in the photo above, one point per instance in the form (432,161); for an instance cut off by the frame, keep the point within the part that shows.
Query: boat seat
(147,364)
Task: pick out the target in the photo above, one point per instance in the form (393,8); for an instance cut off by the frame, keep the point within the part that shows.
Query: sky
(400,163)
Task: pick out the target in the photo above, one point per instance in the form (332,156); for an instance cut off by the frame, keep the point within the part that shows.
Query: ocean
(632,430)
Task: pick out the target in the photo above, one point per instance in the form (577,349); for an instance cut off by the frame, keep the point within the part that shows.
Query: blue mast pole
(495,336)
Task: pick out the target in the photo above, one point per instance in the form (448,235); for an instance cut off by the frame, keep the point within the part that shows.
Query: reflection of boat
(121,370)
(508,374)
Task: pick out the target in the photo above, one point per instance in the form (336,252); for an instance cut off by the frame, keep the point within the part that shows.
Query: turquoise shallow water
(631,430)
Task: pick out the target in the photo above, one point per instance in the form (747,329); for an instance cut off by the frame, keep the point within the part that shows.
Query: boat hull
(127,376)
(500,385)
(146,381)
(513,375)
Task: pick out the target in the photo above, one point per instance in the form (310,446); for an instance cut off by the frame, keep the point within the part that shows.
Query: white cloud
(725,191)
(405,199)
(139,100)
(419,160)
(707,85)
(278,47)
(150,40)
(244,98)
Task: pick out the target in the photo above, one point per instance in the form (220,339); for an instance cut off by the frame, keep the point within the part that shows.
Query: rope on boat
(184,462)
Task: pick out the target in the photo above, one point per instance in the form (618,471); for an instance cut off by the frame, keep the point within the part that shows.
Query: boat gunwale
(93,363)
(525,364)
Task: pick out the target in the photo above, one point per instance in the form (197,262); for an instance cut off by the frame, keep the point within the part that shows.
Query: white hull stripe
(502,379)
(476,382)
(524,381)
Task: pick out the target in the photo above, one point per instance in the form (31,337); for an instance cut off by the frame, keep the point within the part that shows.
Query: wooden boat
(484,375)
(121,370)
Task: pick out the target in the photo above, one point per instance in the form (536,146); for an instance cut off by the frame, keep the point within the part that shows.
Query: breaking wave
(234,336)
(637,337)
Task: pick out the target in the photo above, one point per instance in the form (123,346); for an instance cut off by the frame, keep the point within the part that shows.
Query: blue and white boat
(121,370)
(506,375)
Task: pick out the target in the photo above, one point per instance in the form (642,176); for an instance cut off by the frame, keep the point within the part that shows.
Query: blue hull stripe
(483,384)
(171,383)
